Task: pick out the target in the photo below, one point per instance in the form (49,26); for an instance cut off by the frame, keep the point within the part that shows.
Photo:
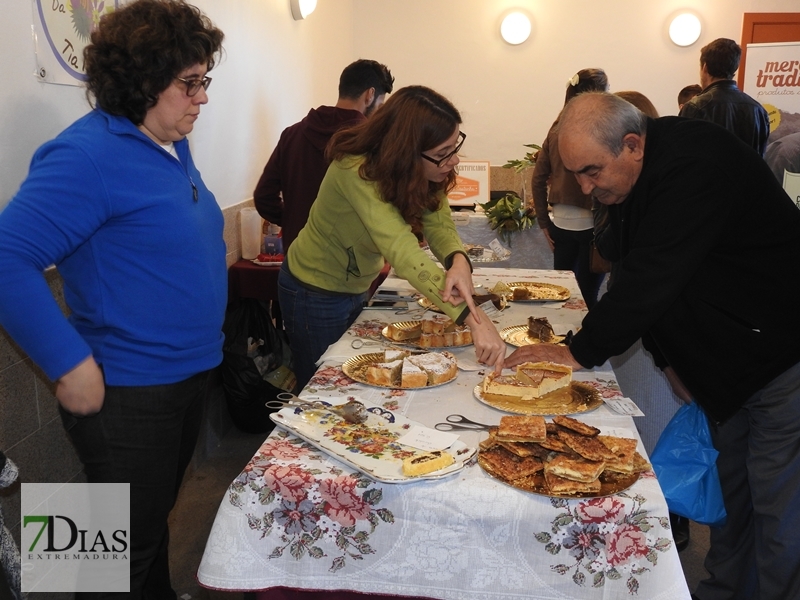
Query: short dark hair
(586,80)
(137,51)
(363,74)
(721,58)
(689,92)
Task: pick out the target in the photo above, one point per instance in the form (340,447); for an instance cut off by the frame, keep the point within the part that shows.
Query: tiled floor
(205,488)
(191,519)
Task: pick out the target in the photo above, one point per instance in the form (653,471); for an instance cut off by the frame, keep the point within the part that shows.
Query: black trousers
(571,253)
(144,436)
(756,554)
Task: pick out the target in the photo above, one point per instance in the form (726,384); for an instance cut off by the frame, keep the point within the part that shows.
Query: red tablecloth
(248,280)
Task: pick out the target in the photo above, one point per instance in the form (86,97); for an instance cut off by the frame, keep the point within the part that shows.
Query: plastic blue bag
(685,462)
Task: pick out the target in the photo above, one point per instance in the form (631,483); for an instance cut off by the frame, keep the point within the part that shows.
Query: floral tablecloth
(297,518)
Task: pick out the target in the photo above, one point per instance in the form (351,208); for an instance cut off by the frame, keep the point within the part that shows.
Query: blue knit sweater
(137,238)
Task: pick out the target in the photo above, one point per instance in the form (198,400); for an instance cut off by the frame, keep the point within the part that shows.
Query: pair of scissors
(285,399)
(461,423)
(361,342)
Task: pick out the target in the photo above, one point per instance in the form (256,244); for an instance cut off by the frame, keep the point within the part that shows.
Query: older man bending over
(704,293)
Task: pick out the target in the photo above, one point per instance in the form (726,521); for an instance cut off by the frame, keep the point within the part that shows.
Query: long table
(296,518)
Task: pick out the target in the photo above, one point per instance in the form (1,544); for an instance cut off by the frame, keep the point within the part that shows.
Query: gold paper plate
(541,292)
(356,369)
(579,397)
(517,335)
(536,485)
(404,325)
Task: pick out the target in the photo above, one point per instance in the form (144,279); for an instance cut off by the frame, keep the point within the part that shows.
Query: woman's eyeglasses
(440,162)
(193,85)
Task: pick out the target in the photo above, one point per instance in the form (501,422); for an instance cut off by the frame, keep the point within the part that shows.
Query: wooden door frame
(749,22)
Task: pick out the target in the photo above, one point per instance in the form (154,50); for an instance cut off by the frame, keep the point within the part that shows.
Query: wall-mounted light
(684,30)
(302,8)
(515,28)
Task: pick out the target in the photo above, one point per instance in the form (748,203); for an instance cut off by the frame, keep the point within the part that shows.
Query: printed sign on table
(472,183)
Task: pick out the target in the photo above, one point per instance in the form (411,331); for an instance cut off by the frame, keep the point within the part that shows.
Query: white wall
(273,70)
(510,95)
(276,68)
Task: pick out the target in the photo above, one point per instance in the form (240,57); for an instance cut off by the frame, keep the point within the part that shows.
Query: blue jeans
(313,321)
(144,436)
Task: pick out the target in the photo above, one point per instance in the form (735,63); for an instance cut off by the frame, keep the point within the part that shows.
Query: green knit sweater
(351,230)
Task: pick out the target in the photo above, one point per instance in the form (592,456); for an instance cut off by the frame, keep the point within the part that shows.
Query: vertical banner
(773,78)
(61,30)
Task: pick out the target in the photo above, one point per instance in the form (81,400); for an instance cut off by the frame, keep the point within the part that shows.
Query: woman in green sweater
(385,189)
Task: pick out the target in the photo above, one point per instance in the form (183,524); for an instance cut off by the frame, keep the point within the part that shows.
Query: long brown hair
(412,120)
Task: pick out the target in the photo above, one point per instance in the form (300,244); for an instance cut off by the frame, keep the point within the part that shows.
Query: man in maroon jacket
(291,178)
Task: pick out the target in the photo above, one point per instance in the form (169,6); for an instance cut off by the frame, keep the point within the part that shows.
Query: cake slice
(440,368)
(500,387)
(412,376)
(429,462)
(403,334)
(540,329)
(385,374)
(435,323)
(521,293)
(393,354)
(544,377)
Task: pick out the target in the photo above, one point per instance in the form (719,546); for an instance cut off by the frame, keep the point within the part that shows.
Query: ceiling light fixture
(515,28)
(684,30)
(302,8)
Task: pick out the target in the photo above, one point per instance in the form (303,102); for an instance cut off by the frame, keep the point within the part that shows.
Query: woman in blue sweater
(117,204)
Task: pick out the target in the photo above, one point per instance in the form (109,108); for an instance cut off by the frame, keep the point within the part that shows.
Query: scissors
(285,399)
(461,423)
(361,342)
(415,313)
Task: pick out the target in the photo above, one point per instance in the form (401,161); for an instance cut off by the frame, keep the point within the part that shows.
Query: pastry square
(577,469)
(422,464)
(522,428)
(575,425)
(565,487)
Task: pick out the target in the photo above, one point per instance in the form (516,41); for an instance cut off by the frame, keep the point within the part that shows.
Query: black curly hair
(138,50)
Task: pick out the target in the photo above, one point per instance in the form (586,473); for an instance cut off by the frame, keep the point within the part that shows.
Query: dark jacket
(724,104)
(291,178)
(709,291)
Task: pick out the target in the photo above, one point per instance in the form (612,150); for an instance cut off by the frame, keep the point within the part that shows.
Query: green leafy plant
(507,215)
(528,160)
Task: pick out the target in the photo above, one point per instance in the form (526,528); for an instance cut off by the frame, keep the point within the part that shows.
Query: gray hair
(604,117)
